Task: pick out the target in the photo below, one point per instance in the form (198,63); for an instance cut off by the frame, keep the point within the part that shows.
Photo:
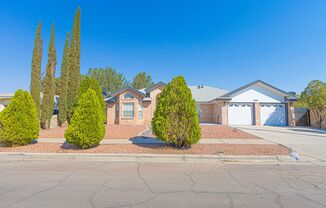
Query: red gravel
(129,131)
(112,132)
(224,132)
(219,132)
(198,149)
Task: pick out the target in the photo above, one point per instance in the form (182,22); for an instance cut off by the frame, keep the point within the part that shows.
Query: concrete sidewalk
(155,141)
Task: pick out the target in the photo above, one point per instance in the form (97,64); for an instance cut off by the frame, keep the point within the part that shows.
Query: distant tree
(314,97)
(49,85)
(86,127)
(63,87)
(19,122)
(109,79)
(175,118)
(35,85)
(89,83)
(74,69)
(142,80)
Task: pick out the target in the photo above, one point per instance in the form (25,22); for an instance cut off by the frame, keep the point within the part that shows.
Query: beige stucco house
(256,103)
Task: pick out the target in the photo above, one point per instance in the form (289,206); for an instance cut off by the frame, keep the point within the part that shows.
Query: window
(128,96)
(140,111)
(127,110)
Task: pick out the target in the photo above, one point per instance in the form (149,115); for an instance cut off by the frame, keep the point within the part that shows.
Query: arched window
(128,96)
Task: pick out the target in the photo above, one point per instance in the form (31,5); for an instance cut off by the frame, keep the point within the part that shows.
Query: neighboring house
(257,103)
(5,99)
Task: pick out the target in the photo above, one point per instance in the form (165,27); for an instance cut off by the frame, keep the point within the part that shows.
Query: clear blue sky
(219,43)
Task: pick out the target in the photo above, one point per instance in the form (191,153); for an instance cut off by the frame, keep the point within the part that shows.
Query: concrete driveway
(306,141)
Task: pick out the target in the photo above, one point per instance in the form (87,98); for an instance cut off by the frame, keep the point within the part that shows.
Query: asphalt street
(74,183)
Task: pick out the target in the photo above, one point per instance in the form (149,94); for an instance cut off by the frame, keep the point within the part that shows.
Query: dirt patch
(197,149)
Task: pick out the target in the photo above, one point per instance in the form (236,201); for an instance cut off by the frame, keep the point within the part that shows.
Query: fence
(306,117)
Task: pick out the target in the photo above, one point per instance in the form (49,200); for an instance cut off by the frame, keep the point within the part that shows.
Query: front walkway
(306,141)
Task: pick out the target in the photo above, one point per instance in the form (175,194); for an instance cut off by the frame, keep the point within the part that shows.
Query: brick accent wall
(257,114)
(291,115)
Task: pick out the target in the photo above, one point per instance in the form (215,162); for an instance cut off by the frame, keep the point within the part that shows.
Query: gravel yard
(112,132)
(213,131)
(198,149)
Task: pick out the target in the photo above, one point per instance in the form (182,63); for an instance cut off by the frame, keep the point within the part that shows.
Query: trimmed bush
(19,123)
(87,83)
(86,127)
(175,118)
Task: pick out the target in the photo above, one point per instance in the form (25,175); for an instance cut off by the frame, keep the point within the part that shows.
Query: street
(74,183)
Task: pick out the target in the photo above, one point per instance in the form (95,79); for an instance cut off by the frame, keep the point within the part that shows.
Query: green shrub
(86,127)
(19,123)
(175,118)
(87,83)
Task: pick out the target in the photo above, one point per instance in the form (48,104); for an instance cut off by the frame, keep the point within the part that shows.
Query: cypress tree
(35,85)
(49,85)
(74,70)
(63,87)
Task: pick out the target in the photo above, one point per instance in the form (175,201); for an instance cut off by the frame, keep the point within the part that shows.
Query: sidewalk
(155,141)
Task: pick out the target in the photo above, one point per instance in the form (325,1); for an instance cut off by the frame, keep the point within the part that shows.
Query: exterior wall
(206,114)
(257,121)
(111,113)
(215,112)
(115,110)
(153,94)
(257,93)
(291,115)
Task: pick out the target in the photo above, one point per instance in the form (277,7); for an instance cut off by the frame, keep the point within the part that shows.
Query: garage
(240,114)
(272,114)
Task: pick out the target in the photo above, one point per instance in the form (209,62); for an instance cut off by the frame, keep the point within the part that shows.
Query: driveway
(306,141)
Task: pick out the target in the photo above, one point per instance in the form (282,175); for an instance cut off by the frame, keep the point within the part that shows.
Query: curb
(143,157)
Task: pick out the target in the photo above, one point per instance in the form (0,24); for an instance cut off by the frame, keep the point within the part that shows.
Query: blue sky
(219,43)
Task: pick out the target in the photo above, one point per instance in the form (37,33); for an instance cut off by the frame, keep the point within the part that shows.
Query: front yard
(240,143)
(130,131)
(196,149)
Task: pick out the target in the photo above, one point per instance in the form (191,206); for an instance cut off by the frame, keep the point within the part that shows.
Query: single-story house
(256,103)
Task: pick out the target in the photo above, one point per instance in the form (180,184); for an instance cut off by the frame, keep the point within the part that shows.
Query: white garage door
(272,114)
(240,113)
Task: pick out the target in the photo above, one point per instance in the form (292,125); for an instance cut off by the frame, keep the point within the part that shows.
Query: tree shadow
(67,146)
(309,130)
(153,143)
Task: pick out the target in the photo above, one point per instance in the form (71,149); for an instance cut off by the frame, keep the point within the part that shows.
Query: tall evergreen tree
(63,87)
(49,85)
(74,69)
(35,85)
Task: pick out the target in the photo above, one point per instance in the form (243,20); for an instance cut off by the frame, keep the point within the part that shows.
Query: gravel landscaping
(212,131)
(197,149)
(112,132)
(130,131)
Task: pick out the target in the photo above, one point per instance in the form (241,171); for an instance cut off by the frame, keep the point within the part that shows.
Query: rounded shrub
(19,123)
(87,83)
(86,127)
(175,118)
